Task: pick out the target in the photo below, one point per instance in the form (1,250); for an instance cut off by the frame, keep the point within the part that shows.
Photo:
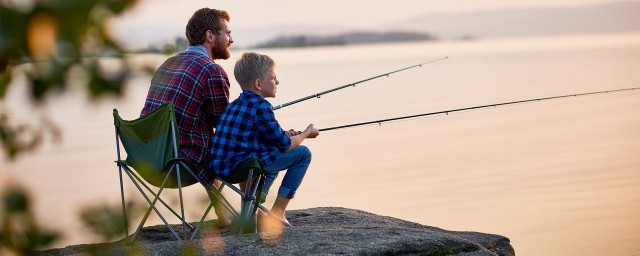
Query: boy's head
(257,73)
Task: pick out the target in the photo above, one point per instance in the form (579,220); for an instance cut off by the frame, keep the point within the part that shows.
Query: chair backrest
(149,143)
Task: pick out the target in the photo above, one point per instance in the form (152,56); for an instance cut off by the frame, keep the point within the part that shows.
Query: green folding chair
(151,144)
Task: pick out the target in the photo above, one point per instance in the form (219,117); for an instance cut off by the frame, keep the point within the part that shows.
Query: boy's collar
(249,92)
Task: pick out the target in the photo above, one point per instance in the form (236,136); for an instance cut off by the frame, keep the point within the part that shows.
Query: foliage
(48,39)
(108,220)
(19,232)
(54,43)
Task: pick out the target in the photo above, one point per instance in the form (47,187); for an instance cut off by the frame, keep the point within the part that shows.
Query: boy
(248,128)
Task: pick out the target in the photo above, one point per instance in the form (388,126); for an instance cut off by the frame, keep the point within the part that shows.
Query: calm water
(557,178)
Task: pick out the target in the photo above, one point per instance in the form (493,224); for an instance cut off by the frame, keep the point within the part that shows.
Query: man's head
(257,73)
(210,28)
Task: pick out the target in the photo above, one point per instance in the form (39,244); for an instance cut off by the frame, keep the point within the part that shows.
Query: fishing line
(447,112)
(317,95)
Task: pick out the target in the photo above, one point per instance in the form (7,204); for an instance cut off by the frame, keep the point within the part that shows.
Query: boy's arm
(310,132)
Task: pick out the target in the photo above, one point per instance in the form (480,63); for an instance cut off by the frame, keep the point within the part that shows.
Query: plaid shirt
(247,128)
(199,90)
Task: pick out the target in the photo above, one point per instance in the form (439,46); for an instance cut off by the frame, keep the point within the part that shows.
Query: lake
(558,177)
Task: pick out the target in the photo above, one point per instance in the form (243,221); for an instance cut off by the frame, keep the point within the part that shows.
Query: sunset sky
(156,20)
(350,13)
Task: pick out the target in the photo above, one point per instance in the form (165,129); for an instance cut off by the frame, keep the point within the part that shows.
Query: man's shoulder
(196,62)
(202,59)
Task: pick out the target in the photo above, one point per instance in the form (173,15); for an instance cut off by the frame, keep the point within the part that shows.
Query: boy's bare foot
(271,228)
(268,221)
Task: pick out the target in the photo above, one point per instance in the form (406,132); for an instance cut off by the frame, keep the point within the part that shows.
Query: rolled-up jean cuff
(286,192)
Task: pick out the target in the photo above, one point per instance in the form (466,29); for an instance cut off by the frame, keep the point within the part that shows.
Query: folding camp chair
(151,144)
(152,155)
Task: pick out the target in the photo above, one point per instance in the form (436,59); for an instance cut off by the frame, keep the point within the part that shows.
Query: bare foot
(270,222)
(271,229)
(224,216)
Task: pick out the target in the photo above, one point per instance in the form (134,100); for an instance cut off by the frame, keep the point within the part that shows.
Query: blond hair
(252,66)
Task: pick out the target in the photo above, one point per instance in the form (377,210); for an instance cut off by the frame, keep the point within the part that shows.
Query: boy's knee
(304,151)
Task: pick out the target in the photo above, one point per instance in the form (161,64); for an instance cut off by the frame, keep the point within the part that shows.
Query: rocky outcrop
(323,231)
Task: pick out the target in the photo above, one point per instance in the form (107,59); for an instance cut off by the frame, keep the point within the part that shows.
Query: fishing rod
(446,112)
(317,95)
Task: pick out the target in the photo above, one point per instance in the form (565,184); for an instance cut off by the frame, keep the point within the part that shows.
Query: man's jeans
(296,163)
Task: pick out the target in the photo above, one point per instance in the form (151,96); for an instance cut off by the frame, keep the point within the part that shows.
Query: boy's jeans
(296,163)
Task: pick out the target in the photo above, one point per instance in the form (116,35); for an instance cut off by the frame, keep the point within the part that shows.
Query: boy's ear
(256,84)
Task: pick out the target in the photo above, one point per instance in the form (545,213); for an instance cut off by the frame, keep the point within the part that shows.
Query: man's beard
(220,52)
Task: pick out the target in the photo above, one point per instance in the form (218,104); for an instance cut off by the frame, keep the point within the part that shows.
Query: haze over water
(558,178)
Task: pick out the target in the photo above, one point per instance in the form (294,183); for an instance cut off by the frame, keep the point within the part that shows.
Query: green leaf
(16,201)
(5,79)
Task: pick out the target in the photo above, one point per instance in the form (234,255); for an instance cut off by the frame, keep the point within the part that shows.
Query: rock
(323,231)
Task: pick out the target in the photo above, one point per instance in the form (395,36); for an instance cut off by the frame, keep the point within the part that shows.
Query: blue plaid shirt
(247,128)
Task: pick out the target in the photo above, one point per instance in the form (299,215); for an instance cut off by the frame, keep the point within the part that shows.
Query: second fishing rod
(447,112)
(317,95)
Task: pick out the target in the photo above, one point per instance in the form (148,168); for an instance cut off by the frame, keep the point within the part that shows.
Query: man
(198,88)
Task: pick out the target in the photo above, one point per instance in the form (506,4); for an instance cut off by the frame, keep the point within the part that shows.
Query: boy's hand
(296,140)
(293,132)
(311,131)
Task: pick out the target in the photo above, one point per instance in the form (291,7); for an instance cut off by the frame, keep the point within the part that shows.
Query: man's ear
(209,36)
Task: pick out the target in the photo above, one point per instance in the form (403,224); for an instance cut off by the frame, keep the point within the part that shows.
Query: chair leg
(152,204)
(214,194)
(124,207)
(159,199)
(240,192)
(246,202)
(218,191)
(184,226)
(253,197)
(195,231)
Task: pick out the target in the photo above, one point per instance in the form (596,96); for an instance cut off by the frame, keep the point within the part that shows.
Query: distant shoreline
(351,38)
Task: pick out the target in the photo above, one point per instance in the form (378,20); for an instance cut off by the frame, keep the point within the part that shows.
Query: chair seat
(241,171)
(156,178)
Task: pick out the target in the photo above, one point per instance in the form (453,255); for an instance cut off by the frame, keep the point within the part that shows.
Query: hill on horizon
(611,17)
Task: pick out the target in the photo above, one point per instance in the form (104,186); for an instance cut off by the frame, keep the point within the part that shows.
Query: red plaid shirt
(199,90)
